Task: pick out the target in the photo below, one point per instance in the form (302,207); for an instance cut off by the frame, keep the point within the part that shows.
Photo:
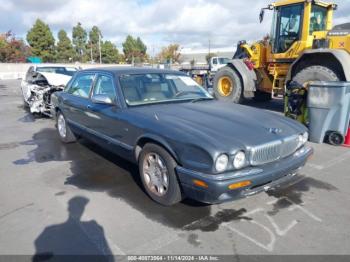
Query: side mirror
(261,15)
(102,99)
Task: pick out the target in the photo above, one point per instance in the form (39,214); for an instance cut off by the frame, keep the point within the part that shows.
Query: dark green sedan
(186,143)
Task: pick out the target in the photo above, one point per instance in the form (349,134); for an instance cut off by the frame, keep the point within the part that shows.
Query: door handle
(89,106)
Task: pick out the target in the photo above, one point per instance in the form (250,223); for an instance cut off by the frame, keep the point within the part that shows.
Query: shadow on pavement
(95,169)
(73,240)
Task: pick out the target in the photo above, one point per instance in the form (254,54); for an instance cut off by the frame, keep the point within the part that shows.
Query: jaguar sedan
(186,144)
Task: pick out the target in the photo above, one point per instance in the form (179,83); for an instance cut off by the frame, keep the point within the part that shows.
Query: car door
(105,118)
(77,98)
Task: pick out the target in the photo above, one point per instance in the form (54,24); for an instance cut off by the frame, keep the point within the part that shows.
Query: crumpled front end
(39,100)
(37,94)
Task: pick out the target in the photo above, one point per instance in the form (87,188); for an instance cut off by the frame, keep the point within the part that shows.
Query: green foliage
(109,53)
(65,51)
(93,43)
(13,50)
(134,50)
(169,54)
(41,40)
(209,56)
(79,37)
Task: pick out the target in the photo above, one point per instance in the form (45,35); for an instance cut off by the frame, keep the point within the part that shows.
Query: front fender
(145,138)
(248,77)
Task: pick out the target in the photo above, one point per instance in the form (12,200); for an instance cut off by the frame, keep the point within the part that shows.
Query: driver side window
(289,23)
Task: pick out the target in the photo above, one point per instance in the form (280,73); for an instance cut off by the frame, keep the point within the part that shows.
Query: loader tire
(315,73)
(227,85)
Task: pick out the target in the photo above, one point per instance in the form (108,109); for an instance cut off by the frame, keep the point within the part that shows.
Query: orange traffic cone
(347,139)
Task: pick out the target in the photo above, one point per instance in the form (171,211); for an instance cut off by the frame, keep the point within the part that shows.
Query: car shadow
(96,169)
(275,105)
(74,239)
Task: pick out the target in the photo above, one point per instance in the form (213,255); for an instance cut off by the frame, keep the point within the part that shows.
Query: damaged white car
(40,82)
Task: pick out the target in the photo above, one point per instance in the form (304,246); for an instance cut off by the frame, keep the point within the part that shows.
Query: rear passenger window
(81,86)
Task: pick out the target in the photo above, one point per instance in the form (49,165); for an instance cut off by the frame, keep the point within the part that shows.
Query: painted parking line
(331,163)
(272,230)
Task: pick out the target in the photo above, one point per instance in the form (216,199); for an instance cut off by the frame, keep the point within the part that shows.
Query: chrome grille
(273,151)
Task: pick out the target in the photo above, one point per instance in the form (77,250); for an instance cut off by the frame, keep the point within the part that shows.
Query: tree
(169,54)
(79,37)
(41,40)
(109,53)
(65,51)
(13,50)
(209,56)
(94,37)
(134,49)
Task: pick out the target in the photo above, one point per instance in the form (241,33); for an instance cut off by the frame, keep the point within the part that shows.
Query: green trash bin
(328,111)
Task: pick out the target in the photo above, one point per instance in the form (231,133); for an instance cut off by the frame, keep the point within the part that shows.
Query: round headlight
(306,137)
(302,139)
(221,163)
(239,160)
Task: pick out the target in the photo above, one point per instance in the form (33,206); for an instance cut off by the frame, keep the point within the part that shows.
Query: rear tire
(171,192)
(227,85)
(315,73)
(63,130)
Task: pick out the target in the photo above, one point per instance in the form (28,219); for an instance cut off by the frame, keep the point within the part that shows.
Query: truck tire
(158,175)
(260,96)
(227,85)
(315,73)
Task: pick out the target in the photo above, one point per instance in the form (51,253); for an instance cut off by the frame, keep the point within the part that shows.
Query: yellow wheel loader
(303,46)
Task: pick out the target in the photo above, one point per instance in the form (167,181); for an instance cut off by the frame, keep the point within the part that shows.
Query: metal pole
(91,53)
(99,47)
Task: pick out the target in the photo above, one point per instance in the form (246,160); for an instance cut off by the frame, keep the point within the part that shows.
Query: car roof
(55,65)
(131,70)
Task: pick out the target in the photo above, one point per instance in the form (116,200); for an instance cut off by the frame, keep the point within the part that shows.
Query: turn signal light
(239,184)
(200,183)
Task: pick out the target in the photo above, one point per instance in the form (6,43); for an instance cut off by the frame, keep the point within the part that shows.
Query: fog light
(200,183)
(239,185)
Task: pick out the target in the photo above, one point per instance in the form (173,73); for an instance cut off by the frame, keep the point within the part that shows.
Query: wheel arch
(337,60)
(248,77)
(149,138)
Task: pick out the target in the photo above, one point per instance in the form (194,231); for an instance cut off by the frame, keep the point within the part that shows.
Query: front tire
(63,130)
(158,176)
(228,86)
(315,73)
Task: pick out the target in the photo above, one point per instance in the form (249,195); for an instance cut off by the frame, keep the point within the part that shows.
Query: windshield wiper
(201,99)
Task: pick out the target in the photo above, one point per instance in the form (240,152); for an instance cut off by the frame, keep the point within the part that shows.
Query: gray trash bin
(329,111)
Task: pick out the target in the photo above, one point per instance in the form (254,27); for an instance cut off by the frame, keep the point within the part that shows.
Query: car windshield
(69,71)
(223,60)
(140,89)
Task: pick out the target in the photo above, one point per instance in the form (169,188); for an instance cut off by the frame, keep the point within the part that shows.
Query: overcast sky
(191,23)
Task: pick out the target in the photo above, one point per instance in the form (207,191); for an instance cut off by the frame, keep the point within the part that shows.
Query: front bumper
(262,178)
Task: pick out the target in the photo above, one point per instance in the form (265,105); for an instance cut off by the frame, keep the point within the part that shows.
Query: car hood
(56,79)
(222,125)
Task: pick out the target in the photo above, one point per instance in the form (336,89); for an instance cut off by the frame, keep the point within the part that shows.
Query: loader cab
(286,27)
(294,24)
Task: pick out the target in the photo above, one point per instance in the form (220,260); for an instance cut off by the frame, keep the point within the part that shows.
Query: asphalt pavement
(81,199)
